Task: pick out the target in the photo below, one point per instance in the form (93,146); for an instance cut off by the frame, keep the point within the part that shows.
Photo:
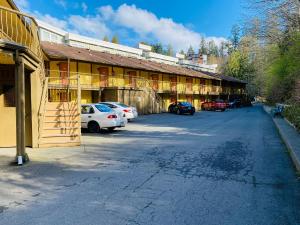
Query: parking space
(211,168)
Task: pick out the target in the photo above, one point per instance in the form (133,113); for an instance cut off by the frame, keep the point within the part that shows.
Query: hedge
(292,114)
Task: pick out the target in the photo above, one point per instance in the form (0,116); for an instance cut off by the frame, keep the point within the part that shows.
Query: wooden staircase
(61,125)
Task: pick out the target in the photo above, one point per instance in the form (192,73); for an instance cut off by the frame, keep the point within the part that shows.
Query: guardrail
(20,28)
(94,81)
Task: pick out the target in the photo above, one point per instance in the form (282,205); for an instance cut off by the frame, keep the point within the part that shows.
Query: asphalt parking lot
(211,168)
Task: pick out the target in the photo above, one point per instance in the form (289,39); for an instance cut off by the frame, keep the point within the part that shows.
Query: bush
(292,113)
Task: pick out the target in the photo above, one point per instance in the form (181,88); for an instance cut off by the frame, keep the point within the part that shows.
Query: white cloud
(146,23)
(62,24)
(90,26)
(84,6)
(23,5)
(61,3)
(106,12)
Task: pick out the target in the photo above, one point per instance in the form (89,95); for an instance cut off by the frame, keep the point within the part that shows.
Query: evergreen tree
(190,51)
(105,38)
(203,47)
(182,52)
(157,48)
(115,39)
(170,51)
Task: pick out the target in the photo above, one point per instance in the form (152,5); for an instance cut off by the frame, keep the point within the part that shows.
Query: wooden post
(21,155)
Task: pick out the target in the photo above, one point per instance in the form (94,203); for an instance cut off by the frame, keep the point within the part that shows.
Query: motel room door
(103,73)
(189,84)
(173,84)
(64,81)
(132,78)
(154,78)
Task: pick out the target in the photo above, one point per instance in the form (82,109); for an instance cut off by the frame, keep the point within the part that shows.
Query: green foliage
(105,38)
(115,39)
(158,48)
(169,51)
(284,71)
(239,65)
(190,51)
(203,47)
(292,113)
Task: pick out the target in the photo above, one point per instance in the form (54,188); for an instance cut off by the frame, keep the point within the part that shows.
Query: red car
(214,105)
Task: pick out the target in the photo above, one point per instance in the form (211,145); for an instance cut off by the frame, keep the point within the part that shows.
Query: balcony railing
(20,28)
(63,79)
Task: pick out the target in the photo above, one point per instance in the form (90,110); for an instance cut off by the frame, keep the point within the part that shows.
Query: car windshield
(122,105)
(185,104)
(103,108)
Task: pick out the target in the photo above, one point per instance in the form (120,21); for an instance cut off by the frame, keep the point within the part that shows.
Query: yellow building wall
(86,96)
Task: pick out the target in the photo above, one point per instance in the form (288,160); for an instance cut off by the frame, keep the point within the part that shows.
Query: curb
(287,143)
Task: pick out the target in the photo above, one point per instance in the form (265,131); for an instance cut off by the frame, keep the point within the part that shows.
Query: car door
(87,112)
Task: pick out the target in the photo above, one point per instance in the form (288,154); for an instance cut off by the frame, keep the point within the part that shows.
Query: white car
(97,116)
(130,112)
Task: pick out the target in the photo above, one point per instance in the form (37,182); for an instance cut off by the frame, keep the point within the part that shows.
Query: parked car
(130,112)
(181,108)
(97,116)
(218,104)
(235,103)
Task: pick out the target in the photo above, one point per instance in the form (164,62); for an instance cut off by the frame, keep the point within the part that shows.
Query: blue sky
(179,23)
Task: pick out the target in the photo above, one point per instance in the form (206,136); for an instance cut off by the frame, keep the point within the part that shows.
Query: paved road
(213,168)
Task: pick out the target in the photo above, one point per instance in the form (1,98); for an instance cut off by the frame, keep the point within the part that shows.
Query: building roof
(63,51)
(224,77)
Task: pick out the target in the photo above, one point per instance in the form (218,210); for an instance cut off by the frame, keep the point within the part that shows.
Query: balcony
(21,29)
(88,81)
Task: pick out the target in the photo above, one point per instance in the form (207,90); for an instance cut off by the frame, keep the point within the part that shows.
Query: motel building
(46,73)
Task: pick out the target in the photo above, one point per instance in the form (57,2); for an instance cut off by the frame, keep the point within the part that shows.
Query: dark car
(235,103)
(181,108)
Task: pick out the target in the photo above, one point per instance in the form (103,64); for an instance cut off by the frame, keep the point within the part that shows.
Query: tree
(212,49)
(170,51)
(235,37)
(115,39)
(157,48)
(182,52)
(105,38)
(190,51)
(203,47)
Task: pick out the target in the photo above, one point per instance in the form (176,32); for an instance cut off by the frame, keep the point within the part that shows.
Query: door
(154,78)
(173,98)
(86,115)
(189,99)
(103,73)
(189,84)
(173,84)
(132,78)
(63,70)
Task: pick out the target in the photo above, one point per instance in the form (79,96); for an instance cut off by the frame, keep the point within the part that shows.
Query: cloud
(88,25)
(61,3)
(23,5)
(149,26)
(106,12)
(84,6)
(132,24)
(62,24)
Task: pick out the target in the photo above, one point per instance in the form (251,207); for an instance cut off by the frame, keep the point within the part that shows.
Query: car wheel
(192,113)
(111,128)
(93,127)
(178,112)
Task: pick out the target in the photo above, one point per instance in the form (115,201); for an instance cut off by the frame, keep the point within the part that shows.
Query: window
(109,105)
(103,108)
(86,109)
(122,105)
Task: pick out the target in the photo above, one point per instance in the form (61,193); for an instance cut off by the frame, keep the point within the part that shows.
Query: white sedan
(97,116)
(130,112)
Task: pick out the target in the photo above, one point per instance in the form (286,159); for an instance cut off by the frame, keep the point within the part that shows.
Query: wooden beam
(20,109)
